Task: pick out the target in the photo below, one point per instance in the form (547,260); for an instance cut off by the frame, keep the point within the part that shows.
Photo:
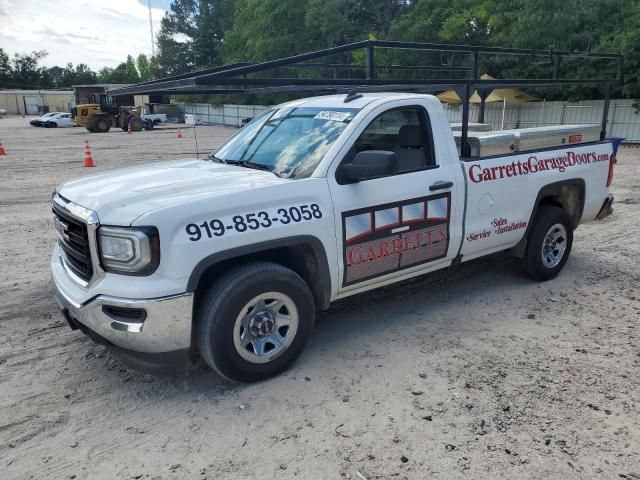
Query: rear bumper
(607,208)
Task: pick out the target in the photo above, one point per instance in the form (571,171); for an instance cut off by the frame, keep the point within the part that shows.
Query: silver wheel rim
(554,245)
(265,327)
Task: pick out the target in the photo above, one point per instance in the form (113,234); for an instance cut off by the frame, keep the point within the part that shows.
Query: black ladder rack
(254,78)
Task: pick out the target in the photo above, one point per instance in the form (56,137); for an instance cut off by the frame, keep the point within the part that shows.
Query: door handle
(440,186)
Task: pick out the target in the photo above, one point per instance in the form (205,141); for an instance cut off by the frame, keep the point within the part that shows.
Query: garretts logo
(479,174)
(380,249)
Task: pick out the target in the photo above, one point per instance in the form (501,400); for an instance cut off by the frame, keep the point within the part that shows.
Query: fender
(545,192)
(322,294)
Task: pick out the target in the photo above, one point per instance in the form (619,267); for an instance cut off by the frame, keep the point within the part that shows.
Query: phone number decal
(252,221)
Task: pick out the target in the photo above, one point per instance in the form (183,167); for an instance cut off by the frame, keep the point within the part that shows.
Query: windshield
(290,142)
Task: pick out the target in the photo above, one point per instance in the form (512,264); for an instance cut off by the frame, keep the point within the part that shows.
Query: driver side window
(404,131)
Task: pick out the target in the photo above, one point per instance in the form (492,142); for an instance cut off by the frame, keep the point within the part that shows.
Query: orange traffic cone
(129,130)
(88,161)
(180,133)
(2,152)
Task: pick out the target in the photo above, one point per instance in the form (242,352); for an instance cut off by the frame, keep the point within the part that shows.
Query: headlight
(130,251)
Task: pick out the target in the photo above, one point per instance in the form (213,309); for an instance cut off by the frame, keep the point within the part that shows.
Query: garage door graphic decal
(382,239)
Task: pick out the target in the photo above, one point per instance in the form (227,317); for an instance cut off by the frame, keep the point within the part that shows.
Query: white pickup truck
(312,201)
(155,118)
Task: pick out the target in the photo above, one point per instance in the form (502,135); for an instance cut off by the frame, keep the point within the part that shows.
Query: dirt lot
(484,374)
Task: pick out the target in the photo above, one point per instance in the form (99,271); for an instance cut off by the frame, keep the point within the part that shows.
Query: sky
(95,32)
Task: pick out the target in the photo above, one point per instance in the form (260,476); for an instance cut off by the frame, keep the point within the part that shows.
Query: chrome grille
(73,237)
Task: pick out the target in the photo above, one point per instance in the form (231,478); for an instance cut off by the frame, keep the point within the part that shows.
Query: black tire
(148,125)
(100,125)
(222,304)
(135,123)
(548,217)
(156,121)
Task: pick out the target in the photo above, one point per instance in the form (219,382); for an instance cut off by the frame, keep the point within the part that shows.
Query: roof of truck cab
(337,101)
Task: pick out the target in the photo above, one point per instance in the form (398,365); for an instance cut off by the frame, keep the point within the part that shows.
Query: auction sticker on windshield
(335,116)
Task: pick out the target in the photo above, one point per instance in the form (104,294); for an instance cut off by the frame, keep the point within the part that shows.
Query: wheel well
(568,195)
(302,258)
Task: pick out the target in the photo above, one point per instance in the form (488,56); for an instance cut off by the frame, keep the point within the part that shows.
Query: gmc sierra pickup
(312,201)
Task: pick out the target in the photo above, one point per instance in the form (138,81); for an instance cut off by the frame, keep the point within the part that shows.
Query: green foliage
(127,72)
(625,39)
(5,69)
(25,70)
(200,34)
(144,68)
(191,35)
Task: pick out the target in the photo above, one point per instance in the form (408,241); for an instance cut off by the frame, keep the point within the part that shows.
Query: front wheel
(135,123)
(100,125)
(255,321)
(549,243)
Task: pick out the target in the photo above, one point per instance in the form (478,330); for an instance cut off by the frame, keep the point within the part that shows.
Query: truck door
(403,223)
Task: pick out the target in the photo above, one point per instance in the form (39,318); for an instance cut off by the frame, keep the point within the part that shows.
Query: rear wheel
(148,125)
(549,244)
(255,321)
(100,125)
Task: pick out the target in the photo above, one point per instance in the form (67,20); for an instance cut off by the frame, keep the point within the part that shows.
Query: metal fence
(624,120)
(231,115)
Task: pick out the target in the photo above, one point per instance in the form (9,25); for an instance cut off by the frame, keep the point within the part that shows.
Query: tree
(191,35)
(81,75)
(126,72)
(54,77)
(625,40)
(132,75)
(105,74)
(26,71)
(5,69)
(264,29)
(144,67)
(374,16)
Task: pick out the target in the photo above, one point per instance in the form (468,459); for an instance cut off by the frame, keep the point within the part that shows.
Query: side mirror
(370,164)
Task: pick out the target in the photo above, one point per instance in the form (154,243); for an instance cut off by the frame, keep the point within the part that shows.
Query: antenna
(195,137)
(153,45)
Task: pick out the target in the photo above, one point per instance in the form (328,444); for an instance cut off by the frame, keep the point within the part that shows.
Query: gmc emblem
(62,229)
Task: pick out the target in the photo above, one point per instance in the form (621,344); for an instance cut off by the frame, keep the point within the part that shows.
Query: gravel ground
(478,374)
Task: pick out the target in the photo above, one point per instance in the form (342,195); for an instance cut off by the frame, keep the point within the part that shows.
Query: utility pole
(153,44)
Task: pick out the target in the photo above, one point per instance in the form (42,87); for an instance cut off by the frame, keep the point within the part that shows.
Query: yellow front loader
(99,116)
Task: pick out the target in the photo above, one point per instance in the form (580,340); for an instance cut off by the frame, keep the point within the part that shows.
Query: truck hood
(120,196)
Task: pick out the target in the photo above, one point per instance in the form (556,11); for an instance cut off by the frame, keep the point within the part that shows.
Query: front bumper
(151,326)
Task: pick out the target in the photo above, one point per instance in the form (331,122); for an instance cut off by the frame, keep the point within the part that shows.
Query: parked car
(59,120)
(231,256)
(39,121)
(2,111)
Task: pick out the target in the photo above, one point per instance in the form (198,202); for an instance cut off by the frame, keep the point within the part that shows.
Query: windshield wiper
(248,164)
